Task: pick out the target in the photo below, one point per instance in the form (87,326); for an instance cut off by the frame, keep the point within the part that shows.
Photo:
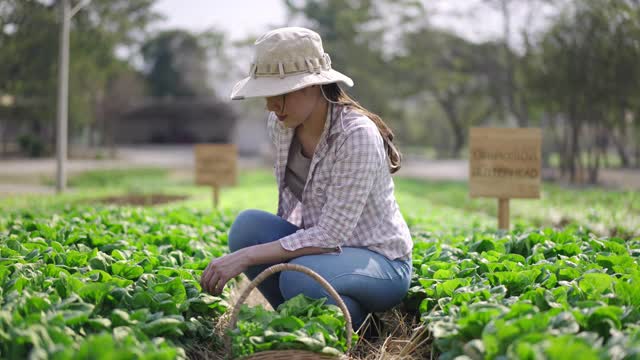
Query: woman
(337,213)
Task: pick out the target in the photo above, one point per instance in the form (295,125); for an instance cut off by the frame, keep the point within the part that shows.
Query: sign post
(504,163)
(216,166)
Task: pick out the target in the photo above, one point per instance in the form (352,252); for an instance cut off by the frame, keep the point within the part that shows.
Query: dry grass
(402,336)
(203,351)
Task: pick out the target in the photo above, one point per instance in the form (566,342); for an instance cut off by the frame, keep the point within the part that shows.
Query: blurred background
(150,78)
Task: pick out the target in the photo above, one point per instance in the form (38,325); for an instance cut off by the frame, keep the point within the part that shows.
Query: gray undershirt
(297,169)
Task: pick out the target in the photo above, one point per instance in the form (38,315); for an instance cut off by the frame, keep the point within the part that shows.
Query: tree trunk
(458,137)
(594,167)
(564,150)
(555,136)
(510,89)
(110,133)
(103,126)
(637,154)
(4,129)
(448,106)
(458,143)
(603,146)
(574,151)
(622,152)
(595,152)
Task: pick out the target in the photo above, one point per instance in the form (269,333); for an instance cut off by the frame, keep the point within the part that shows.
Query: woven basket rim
(288,353)
(303,269)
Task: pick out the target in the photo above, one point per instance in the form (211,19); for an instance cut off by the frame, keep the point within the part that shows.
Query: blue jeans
(366,281)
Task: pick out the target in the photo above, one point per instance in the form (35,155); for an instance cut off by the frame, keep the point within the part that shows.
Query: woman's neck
(312,128)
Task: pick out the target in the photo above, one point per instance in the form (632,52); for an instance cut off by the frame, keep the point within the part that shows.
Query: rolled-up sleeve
(360,158)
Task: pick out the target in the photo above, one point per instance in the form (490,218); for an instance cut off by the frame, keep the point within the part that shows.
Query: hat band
(280,69)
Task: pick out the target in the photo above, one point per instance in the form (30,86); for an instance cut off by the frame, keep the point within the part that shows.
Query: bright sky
(238,18)
(471,19)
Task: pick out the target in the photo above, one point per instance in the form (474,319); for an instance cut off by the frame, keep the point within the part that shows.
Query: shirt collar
(335,119)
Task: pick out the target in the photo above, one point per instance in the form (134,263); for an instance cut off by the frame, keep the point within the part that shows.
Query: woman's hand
(221,270)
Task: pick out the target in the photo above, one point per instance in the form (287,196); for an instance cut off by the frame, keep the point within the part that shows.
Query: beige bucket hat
(285,60)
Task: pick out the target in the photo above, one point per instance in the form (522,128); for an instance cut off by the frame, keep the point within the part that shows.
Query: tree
(353,33)
(585,72)
(453,72)
(175,65)
(29,41)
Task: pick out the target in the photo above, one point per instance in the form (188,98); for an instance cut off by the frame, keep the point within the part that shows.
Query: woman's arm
(273,252)
(221,270)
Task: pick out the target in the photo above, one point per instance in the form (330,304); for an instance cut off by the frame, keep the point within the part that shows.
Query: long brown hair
(335,94)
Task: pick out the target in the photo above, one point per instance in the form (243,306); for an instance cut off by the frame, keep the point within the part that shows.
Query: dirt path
(625,179)
(26,175)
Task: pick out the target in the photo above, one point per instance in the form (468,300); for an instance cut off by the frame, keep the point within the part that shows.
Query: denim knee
(293,283)
(241,233)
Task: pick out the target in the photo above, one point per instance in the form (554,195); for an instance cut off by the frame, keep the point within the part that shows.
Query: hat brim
(272,86)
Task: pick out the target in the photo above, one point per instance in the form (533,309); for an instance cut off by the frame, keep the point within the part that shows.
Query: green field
(82,279)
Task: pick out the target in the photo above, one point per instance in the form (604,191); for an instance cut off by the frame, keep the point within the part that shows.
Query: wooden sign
(216,166)
(504,163)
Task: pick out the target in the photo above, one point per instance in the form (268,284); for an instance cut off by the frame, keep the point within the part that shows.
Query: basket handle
(290,267)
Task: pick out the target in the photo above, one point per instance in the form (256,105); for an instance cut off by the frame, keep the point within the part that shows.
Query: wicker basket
(290,354)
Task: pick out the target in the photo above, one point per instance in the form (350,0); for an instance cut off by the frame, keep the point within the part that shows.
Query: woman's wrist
(246,256)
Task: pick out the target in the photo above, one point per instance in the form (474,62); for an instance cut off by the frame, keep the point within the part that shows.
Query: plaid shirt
(348,199)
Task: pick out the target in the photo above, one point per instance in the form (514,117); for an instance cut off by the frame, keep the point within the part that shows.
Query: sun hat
(285,60)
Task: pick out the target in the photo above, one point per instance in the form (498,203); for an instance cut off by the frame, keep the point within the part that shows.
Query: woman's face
(293,108)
